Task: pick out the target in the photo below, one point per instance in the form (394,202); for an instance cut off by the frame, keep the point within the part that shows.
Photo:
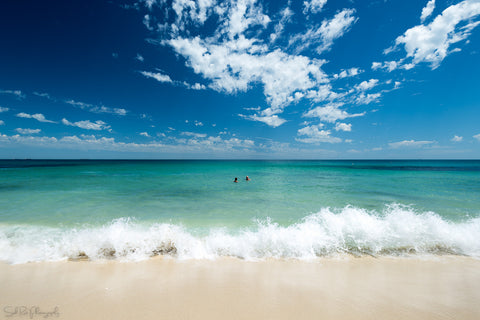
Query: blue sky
(247,79)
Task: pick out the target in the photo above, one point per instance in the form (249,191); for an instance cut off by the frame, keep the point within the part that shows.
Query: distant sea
(132,210)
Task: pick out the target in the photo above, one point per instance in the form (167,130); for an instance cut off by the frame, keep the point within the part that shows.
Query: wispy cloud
(97,108)
(324,36)
(17,93)
(27,131)
(3,109)
(410,144)
(87,124)
(37,116)
(160,77)
(457,138)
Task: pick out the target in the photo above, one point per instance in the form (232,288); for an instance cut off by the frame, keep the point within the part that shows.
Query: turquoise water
(50,200)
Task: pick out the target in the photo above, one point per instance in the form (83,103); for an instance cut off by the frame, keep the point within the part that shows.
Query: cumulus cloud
(235,56)
(87,124)
(343,126)
(313,134)
(367,98)
(271,120)
(331,113)
(27,131)
(427,10)
(432,43)
(313,6)
(347,73)
(37,116)
(366,85)
(457,138)
(409,144)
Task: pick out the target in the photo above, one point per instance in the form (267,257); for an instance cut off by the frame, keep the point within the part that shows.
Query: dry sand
(353,288)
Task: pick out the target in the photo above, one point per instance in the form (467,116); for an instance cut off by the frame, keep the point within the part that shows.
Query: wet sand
(350,288)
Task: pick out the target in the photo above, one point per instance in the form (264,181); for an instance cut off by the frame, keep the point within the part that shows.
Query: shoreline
(446,287)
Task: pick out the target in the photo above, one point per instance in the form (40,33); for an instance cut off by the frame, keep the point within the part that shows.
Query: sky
(244,79)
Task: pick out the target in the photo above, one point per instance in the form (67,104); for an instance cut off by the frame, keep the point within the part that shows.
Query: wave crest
(399,230)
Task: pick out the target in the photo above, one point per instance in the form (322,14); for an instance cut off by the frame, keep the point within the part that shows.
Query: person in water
(247,178)
(236,180)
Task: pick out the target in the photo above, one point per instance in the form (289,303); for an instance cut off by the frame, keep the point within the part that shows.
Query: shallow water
(52,210)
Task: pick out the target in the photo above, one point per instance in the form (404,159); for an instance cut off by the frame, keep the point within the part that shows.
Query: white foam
(398,230)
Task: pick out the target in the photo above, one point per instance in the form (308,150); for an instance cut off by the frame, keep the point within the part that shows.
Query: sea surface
(132,210)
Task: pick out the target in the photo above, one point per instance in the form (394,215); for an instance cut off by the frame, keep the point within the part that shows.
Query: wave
(398,230)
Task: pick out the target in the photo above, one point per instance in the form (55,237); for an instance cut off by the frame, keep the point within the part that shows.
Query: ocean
(54,210)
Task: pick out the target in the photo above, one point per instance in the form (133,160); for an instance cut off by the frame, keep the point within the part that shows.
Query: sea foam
(398,230)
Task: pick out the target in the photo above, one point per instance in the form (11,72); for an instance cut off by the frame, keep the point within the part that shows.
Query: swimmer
(247,178)
(236,180)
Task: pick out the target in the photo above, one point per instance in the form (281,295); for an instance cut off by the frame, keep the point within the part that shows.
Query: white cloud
(324,35)
(3,109)
(432,43)
(366,85)
(145,134)
(331,113)
(457,138)
(367,98)
(387,65)
(343,126)
(17,93)
(2,122)
(313,6)
(477,136)
(313,134)
(87,124)
(193,134)
(96,109)
(157,76)
(347,73)
(234,69)
(271,120)
(196,86)
(27,131)
(44,95)
(37,116)
(139,57)
(198,123)
(245,49)
(427,10)
(409,144)
(286,16)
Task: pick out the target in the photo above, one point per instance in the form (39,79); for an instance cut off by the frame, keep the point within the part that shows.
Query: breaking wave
(398,230)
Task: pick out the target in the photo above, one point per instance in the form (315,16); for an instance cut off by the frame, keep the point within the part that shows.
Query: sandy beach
(350,288)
